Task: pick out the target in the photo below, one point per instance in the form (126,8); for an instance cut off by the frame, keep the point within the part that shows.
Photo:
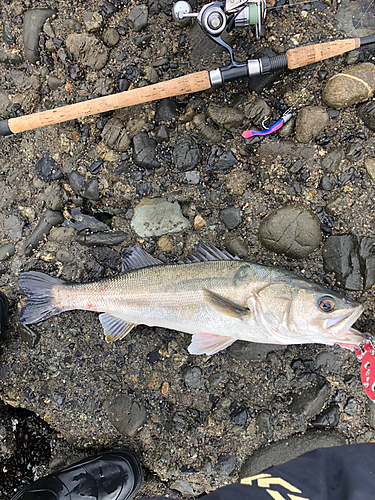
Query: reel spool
(214,17)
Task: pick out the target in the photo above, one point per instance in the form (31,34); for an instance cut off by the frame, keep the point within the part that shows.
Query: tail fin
(38,288)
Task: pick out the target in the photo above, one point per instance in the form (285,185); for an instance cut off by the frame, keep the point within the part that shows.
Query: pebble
(47,169)
(236,246)
(225,464)
(10,58)
(115,135)
(199,222)
(225,116)
(55,197)
(106,238)
(93,21)
(161,134)
(151,75)
(310,122)
(309,402)
(166,111)
(12,227)
(186,154)
(193,177)
(292,230)
(49,219)
(33,21)
(326,183)
(144,151)
(138,18)
(239,416)
(111,37)
(330,163)
(257,110)
(282,451)
(334,205)
(231,217)
(341,258)
(91,189)
(193,378)
(5,105)
(88,50)
(156,216)
(328,418)
(351,406)
(63,255)
(7,251)
(54,82)
(209,134)
(354,85)
(126,414)
(107,257)
(366,112)
(77,182)
(165,244)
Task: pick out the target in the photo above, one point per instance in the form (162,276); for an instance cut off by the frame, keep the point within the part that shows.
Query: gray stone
(226,161)
(93,21)
(225,464)
(115,135)
(33,25)
(328,418)
(193,377)
(263,424)
(6,195)
(231,217)
(193,177)
(166,111)
(239,416)
(47,168)
(310,122)
(331,161)
(144,151)
(340,256)
(309,402)
(138,17)
(111,37)
(366,112)
(335,204)
(88,50)
(12,227)
(292,230)
(209,134)
(126,414)
(351,406)
(106,238)
(326,183)
(367,259)
(7,251)
(9,58)
(28,335)
(20,80)
(236,246)
(155,217)
(257,110)
(354,85)
(186,154)
(226,117)
(55,197)
(49,219)
(282,451)
(77,182)
(91,189)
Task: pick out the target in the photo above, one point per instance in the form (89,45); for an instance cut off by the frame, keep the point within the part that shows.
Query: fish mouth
(340,327)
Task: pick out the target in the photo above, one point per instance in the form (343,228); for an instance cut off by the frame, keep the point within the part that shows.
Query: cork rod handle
(313,53)
(196,82)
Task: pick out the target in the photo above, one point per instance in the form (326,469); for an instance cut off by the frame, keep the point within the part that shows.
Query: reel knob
(182,12)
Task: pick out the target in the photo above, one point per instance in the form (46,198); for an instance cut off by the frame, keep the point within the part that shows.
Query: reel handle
(302,56)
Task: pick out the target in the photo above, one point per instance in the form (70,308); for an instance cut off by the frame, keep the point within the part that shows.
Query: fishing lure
(247,134)
(366,355)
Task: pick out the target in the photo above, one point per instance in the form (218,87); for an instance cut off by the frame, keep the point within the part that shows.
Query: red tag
(366,355)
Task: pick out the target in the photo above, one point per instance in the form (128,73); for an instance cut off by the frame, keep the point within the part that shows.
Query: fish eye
(326,304)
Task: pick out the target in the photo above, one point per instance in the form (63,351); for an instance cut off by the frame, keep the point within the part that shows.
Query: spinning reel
(217,16)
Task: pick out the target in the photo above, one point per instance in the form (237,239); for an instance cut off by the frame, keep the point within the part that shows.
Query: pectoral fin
(114,328)
(205,343)
(224,305)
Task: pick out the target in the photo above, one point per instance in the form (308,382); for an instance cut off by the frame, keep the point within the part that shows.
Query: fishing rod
(213,18)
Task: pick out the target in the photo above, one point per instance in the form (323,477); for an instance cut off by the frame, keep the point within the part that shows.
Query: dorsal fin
(137,258)
(204,252)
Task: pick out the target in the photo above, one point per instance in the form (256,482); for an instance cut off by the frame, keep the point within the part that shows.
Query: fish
(215,297)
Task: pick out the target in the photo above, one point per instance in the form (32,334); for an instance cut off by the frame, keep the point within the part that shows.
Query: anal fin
(206,343)
(224,305)
(114,328)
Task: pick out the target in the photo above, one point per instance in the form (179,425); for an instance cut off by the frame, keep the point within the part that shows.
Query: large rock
(88,50)
(291,230)
(352,86)
(156,217)
(33,22)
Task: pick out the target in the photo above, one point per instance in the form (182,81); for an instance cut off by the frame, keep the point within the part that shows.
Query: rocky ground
(167,175)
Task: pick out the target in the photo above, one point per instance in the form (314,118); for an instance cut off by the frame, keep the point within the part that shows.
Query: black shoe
(4,311)
(112,475)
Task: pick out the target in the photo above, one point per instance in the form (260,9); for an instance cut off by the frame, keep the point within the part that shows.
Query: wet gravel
(166,175)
